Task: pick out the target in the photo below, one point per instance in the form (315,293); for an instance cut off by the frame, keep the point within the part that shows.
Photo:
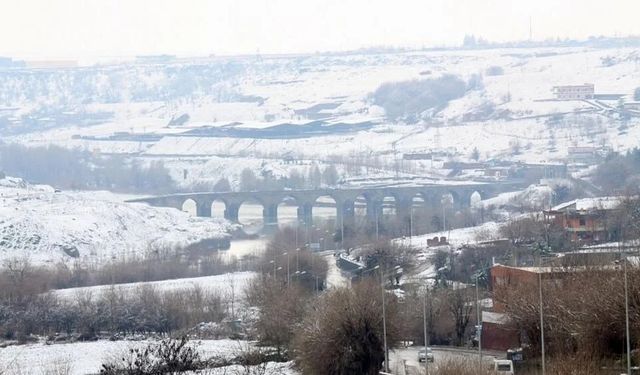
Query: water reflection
(251,218)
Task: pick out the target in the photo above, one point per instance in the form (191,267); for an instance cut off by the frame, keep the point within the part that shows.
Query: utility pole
(426,337)
(478,322)
(411,222)
(342,230)
(541,320)
(444,218)
(288,274)
(626,301)
(384,325)
(377,224)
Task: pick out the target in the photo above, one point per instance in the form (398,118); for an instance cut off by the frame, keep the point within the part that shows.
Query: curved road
(409,357)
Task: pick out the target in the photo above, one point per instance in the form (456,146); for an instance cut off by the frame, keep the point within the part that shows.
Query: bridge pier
(346,213)
(270,214)
(203,209)
(305,213)
(231,212)
(374,210)
(403,213)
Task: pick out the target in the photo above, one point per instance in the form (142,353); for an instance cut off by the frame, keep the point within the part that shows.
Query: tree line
(78,169)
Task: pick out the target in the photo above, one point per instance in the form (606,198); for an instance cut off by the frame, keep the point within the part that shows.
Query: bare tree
(460,306)
(343,332)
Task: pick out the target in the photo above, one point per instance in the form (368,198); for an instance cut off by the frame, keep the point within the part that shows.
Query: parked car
(425,355)
(503,366)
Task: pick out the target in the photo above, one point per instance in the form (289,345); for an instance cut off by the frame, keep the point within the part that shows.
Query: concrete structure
(585,220)
(586,155)
(345,200)
(574,92)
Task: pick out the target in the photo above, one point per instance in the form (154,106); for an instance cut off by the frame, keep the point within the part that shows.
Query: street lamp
(478,322)
(626,315)
(288,275)
(444,217)
(342,230)
(377,222)
(274,267)
(384,320)
(411,222)
(426,337)
(541,320)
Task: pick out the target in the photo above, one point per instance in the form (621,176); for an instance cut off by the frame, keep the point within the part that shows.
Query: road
(409,357)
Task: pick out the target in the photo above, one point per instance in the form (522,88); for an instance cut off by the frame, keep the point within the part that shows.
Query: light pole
(411,222)
(384,325)
(444,217)
(541,320)
(426,337)
(342,230)
(626,316)
(327,235)
(478,322)
(288,274)
(377,223)
(384,317)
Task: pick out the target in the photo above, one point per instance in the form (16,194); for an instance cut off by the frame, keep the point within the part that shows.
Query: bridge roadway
(345,199)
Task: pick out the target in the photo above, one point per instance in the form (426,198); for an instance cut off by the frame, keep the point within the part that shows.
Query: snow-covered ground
(86,357)
(47,226)
(260,93)
(223,285)
(457,237)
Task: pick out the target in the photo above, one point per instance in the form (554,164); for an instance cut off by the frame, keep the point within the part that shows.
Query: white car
(425,355)
(503,366)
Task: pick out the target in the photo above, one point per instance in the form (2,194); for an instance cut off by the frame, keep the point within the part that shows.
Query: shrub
(461,367)
(409,99)
(342,333)
(168,356)
(495,71)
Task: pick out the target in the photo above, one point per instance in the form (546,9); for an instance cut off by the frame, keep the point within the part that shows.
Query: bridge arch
(324,209)
(286,211)
(250,213)
(218,207)
(475,198)
(190,206)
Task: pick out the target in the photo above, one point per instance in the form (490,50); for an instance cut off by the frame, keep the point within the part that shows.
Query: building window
(582,222)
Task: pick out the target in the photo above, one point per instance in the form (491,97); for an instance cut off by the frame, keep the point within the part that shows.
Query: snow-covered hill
(48,226)
(251,111)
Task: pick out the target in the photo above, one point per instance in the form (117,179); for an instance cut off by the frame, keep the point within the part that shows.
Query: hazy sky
(101,28)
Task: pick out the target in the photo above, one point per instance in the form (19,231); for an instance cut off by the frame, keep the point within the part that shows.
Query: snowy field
(264,93)
(86,357)
(457,237)
(47,226)
(223,285)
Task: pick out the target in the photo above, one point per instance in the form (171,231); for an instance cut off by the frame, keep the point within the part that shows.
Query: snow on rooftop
(585,204)
(494,317)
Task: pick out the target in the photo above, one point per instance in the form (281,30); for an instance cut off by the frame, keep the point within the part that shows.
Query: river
(250,217)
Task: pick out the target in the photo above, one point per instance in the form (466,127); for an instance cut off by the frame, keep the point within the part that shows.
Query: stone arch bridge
(345,199)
